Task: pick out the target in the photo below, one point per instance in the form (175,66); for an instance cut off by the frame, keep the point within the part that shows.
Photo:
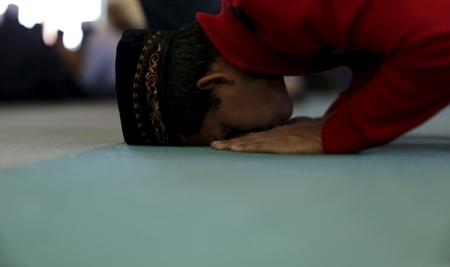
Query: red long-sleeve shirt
(296,37)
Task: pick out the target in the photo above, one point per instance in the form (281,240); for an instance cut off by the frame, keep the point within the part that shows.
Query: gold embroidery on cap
(151,79)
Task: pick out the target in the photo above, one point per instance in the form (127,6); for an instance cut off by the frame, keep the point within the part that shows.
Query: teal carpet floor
(121,205)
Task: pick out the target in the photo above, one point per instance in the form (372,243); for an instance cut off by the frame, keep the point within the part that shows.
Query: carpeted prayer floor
(72,194)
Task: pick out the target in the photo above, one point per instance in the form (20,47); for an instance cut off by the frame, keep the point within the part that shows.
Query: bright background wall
(68,16)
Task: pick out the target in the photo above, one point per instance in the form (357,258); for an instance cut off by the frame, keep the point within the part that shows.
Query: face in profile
(248,103)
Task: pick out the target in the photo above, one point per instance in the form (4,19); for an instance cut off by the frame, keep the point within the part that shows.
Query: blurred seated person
(96,74)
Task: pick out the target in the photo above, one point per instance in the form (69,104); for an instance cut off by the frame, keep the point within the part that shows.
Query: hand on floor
(297,136)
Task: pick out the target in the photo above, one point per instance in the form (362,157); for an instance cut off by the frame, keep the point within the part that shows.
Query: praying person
(219,81)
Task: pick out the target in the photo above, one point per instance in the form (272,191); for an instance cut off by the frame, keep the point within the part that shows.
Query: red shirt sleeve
(364,66)
(403,94)
(410,86)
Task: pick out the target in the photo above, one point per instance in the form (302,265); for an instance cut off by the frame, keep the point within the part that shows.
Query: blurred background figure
(96,74)
(34,66)
(93,64)
(29,69)
(171,15)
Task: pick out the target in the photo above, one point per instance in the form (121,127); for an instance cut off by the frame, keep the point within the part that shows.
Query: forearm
(403,94)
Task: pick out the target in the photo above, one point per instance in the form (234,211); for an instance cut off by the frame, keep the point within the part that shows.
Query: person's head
(211,99)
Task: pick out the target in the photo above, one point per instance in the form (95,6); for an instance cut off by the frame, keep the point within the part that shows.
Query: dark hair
(190,56)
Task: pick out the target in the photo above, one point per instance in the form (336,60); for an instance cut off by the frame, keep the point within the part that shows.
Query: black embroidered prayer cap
(142,92)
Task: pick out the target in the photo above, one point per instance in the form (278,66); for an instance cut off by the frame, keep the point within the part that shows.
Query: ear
(213,80)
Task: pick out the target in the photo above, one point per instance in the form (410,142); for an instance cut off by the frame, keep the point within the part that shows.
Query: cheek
(275,104)
(249,117)
(258,105)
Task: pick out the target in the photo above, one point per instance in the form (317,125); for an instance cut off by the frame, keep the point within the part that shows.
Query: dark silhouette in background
(31,70)
(171,15)
(96,73)
(28,68)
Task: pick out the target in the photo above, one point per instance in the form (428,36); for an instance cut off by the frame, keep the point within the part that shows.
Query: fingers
(242,146)
(284,145)
(239,141)
(255,147)
(263,146)
(288,139)
(227,144)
